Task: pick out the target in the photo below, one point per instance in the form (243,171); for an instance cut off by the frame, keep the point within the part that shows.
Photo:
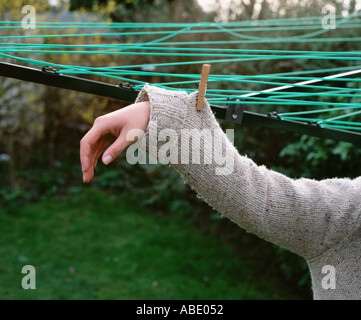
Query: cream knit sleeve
(305,216)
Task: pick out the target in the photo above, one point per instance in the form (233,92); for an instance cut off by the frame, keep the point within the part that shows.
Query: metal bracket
(313,123)
(126,85)
(273,115)
(235,111)
(48,69)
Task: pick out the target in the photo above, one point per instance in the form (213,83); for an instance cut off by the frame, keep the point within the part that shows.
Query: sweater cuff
(168,108)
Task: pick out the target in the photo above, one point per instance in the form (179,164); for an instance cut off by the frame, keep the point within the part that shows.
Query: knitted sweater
(318,220)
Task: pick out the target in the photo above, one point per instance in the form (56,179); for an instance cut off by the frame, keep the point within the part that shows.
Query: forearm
(305,216)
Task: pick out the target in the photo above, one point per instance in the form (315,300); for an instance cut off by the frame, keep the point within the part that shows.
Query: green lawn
(97,246)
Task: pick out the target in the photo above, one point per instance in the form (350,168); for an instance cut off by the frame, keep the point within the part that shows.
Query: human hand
(105,128)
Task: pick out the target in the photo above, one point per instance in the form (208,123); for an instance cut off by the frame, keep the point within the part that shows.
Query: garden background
(138,232)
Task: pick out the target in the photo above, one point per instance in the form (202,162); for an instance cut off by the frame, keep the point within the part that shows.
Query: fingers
(97,153)
(105,128)
(87,152)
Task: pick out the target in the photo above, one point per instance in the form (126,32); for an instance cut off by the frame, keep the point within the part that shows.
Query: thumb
(115,149)
(125,139)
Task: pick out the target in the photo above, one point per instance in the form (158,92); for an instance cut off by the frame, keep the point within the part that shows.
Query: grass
(92,245)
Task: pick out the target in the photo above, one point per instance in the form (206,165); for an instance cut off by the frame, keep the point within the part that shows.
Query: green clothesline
(217,28)
(136,47)
(199,24)
(87,70)
(234,29)
(25,46)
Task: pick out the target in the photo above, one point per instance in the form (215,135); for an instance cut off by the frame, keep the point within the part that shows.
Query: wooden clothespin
(206,68)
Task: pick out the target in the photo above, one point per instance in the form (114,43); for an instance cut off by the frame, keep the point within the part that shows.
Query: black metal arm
(50,77)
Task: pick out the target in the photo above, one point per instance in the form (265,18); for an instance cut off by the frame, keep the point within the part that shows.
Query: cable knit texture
(318,220)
